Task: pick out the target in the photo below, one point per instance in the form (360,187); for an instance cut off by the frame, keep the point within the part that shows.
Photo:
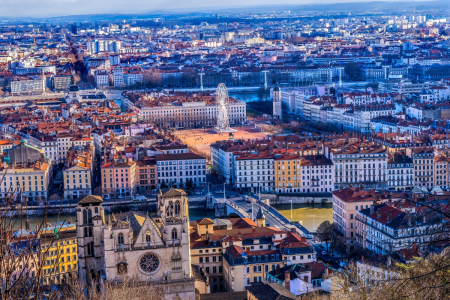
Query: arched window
(177,207)
(174,234)
(148,237)
(90,248)
(170,209)
(89,216)
(85,231)
(90,231)
(120,239)
(96,210)
(85,217)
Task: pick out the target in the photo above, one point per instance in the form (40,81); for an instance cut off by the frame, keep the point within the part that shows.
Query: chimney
(287,279)
(362,259)
(378,213)
(277,270)
(372,209)
(247,250)
(389,217)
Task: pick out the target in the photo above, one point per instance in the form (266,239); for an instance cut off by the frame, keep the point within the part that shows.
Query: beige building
(27,173)
(119,178)
(133,244)
(77,173)
(346,205)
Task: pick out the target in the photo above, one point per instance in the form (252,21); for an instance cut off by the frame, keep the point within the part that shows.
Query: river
(300,212)
(305,213)
(194,214)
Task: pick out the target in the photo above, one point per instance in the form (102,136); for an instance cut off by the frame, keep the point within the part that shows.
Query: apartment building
(347,202)
(78,172)
(441,167)
(118,178)
(59,254)
(246,261)
(181,169)
(254,172)
(146,174)
(423,159)
(385,228)
(27,85)
(101,78)
(287,173)
(317,174)
(400,171)
(357,163)
(27,173)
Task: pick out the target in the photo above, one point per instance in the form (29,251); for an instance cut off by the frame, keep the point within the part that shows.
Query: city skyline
(61,8)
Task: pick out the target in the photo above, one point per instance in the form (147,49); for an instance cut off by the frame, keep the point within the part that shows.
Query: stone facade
(152,249)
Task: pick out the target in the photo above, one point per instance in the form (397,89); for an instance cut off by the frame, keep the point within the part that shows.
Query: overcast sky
(41,8)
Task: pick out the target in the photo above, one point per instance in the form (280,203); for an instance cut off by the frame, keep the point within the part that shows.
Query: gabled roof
(91,199)
(204,221)
(173,193)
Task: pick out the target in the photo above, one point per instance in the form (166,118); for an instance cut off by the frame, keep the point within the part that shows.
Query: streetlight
(314,224)
(291,210)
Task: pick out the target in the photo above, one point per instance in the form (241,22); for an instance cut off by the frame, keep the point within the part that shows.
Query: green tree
(164,185)
(325,232)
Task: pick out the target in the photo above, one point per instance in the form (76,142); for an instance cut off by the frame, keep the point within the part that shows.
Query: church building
(136,245)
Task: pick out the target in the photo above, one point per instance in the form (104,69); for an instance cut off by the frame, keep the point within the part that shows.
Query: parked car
(140,198)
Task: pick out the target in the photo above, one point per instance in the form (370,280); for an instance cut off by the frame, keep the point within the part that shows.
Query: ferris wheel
(223,122)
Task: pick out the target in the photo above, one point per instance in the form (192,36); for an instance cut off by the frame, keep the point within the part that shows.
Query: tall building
(97,46)
(277,103)
(27,173)
(135,245)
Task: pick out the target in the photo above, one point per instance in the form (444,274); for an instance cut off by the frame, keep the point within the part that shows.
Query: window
(148,236)
(177,207)
(120,239)
(174,234)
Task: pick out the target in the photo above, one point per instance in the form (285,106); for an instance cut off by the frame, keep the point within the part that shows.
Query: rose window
(149,263)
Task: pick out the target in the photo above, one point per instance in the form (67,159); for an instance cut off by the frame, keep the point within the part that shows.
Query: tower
(90,219)
(276,102)
(260,218)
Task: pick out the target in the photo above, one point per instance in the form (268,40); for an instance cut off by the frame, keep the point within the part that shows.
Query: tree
(164,185)
(189,183)
(325,232)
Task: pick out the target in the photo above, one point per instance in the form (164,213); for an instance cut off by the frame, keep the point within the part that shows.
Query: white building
(400,172)
(97,46)
(254,172)
(189,114)
(180,168)
(118,78)
(384,229)
(101,78)
(358,164)
(28,85)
